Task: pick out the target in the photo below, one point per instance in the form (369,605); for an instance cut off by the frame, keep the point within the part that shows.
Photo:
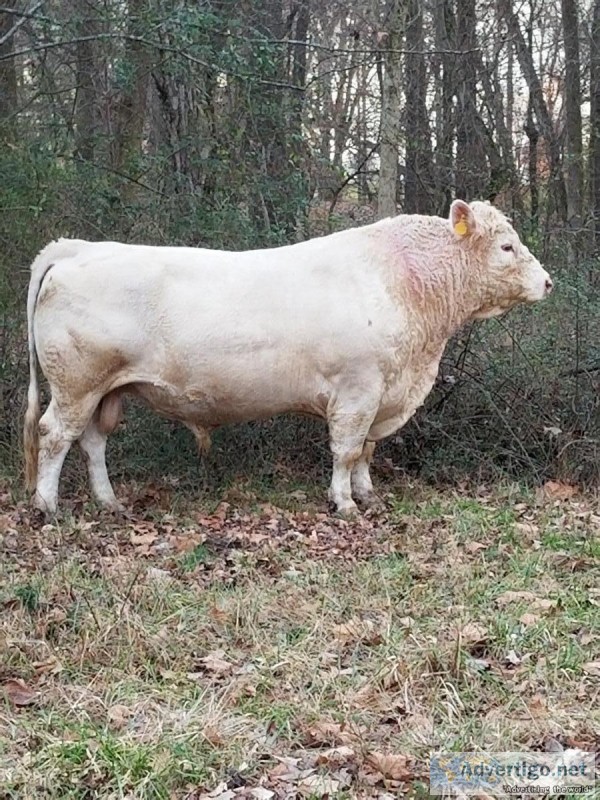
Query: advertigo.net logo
(569,772)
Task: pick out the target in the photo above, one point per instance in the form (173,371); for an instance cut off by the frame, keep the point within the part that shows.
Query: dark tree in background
(8,71)
(574,144)
(594,160)
(419,190)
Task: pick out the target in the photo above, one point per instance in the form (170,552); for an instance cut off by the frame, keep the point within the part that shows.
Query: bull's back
(302,295)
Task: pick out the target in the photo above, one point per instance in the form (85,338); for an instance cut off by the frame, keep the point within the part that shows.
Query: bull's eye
(508,248)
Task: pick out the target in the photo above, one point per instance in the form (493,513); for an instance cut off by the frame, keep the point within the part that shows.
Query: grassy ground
(270,650)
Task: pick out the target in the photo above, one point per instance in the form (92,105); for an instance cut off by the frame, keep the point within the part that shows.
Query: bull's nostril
(549,284)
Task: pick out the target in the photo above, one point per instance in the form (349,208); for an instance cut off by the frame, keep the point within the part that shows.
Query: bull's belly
(210,409)
(210,399)
(210,406)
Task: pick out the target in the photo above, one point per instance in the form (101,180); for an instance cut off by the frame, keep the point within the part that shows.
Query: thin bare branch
(24,17)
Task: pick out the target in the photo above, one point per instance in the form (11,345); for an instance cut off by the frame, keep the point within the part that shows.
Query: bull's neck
(442,297)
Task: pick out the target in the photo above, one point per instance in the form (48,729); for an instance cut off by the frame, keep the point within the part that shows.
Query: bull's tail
(39,268)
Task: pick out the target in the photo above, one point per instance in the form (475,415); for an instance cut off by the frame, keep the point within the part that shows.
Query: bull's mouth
(535,297)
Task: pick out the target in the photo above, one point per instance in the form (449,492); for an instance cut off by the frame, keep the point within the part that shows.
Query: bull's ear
(462,219)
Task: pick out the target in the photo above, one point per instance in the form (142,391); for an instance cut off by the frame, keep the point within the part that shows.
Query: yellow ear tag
(460,227)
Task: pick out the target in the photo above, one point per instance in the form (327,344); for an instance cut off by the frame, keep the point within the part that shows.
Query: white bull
(349,327)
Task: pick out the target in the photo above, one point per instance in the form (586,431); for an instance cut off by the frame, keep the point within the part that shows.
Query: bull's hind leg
(59,426)
(362,485)
(93,443)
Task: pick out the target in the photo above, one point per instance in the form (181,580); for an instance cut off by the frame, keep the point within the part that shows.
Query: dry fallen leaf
(543,604)
(262,794)
(528,528)
(186,542)
(365,697)
(219,614)
(558,490)
(594,596)
(217,663)
(118,715)
(220,793)
(513,659)
(478,665)
(329,733)
(143,539)
(475,547)
(529,619)
(7,523)
(538,706)
(552,430)
(394,766)
(319,785)
(513,597)
(51,666)
(335,756)
(471,633)
(159,575)
(358,630)
(287,770)
(18,693)
(393,674)
(592,668)
(535,603)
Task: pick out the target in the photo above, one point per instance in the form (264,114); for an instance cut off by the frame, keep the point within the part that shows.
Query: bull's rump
(213,336)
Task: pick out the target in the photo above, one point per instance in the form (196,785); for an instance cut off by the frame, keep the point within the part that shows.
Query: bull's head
(507,273)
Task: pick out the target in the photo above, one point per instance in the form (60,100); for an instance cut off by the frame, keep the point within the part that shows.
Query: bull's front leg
(362,485)
(347,432)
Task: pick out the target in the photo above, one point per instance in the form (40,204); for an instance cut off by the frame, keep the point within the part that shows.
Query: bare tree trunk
(362,145)
(300,59)
(131,106)
(85,119)
(495,141)
(532,162)
(299,149)
(510,101)
(444,39)
(594,155)
(418,182)
(533,135)
(390,112)
(471,171)
(8,76)
(574,151)
(525,58)
(509,148)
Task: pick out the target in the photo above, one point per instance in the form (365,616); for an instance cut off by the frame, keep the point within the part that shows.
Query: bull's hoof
(37,519)
(347,511)
(112,507)
(371,501)
(46,507)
